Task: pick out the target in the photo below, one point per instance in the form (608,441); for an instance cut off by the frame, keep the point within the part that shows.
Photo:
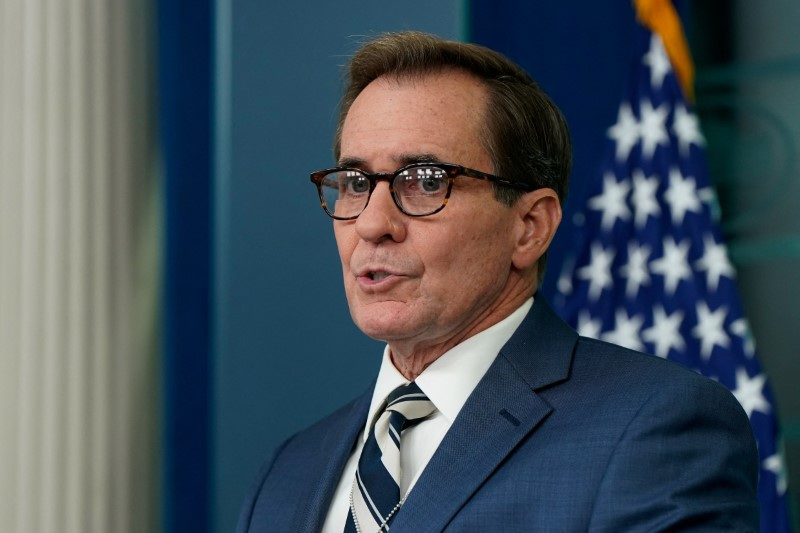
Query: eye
(431,184)
(422,181)
(353,183)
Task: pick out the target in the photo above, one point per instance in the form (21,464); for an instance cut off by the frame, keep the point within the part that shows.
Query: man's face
(419,283)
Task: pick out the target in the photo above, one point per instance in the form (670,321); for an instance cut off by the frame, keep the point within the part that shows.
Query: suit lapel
(335,450)
(500,412)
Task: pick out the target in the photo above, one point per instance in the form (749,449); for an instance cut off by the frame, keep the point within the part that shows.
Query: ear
(539,214)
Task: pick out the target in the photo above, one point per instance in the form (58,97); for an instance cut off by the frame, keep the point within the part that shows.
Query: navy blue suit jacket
(563,433)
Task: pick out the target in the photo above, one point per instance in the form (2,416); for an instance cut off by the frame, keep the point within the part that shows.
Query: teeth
(377,276)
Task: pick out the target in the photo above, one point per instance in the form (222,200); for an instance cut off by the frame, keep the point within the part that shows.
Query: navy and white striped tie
(375,496)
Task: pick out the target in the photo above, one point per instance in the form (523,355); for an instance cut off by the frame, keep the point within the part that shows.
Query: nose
(381,219)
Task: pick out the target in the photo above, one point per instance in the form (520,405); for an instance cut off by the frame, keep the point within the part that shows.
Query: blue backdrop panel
(286,351)
(184,79)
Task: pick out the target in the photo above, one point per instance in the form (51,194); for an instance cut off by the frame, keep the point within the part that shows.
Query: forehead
(441,114)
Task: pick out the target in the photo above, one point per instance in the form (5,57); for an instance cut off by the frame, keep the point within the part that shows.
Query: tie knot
(411,390)
(411,403)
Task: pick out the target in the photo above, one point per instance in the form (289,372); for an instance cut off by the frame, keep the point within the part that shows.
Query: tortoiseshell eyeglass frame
(452,171)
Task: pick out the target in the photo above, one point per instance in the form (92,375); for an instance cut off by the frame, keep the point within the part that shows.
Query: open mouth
(379,275)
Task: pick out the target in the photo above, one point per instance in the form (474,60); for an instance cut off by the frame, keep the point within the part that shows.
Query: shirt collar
(450,379)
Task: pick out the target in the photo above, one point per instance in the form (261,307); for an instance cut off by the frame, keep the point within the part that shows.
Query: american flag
(651,271)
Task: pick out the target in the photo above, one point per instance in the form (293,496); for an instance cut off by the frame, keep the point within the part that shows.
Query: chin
(382,323)
(380,330)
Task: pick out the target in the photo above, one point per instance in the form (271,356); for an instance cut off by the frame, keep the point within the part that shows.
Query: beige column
(78,267)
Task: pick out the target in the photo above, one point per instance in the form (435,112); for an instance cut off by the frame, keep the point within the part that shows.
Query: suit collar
(541,349)
(338,446)
(502,410)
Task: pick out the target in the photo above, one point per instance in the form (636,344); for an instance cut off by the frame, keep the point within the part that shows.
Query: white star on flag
(709,197)
(656,58)
(588,327)
(652,127)
(643,198)
(612,202)
(665,333)
(710,329)
(625,132)
(749,392)
(714,262)
(598,271)
(681,196)
(636,269)
(741,328)
(626,330)
(565,283)
(775,464)
(673,265)
(687,129)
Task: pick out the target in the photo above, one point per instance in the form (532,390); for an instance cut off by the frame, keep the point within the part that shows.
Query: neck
(412,358)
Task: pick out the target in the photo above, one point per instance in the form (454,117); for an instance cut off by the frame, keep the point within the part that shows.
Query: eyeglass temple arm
(489,177)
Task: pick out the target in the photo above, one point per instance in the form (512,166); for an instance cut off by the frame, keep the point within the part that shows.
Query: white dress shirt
(447,382)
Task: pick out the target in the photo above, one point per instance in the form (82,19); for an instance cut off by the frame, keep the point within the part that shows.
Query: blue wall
(580,53)
(285,350)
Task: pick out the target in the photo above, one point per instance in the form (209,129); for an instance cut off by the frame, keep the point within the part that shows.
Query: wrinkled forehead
(462,93)
(440,114)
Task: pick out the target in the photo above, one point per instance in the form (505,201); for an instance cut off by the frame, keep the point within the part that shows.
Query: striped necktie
(375,496)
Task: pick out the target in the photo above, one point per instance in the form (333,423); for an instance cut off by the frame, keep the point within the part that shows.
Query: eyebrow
(350,162)
(402,160)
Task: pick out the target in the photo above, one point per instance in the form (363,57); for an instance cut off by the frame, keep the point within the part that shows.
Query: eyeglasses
(418,190)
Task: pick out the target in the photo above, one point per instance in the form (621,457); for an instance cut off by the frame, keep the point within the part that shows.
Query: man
(451,169)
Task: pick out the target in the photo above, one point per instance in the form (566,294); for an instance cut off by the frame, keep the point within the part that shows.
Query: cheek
(469,258)
(485,249)
(344,243)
